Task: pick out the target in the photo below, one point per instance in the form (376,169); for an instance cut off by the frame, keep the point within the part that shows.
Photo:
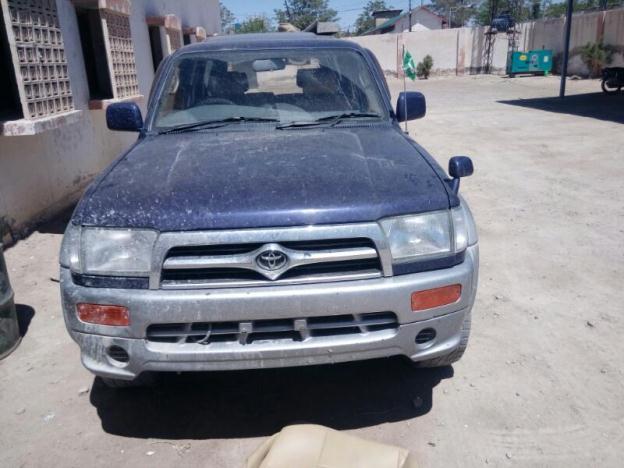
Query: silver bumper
(239,304)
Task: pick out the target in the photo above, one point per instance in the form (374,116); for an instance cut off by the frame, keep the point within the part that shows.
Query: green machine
(536,62)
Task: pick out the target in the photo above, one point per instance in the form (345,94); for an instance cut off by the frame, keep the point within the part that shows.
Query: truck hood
(259,178)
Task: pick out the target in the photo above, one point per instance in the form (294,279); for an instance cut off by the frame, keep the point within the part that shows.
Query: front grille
(231,265)
(230,249)
(283,330)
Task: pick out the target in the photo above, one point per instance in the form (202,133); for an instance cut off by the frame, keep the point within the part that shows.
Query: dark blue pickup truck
(271,213)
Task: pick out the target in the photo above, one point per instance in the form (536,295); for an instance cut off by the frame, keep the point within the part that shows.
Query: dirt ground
(541,383)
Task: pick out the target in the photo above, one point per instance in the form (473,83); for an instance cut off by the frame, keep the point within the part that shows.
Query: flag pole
(404,89)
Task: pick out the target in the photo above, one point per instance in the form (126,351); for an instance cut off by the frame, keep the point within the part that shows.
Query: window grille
(38,55)
(175,39)
(195,34)
(124,74)
(165,36)
(107,49)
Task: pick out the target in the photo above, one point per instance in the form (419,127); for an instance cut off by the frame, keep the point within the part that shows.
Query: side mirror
(459,166)
(411,105)
(124,116)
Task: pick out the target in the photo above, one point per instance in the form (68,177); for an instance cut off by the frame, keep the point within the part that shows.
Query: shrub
(596,56)
(423,69)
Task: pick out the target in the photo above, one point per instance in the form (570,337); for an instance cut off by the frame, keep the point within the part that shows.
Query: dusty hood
(234,179)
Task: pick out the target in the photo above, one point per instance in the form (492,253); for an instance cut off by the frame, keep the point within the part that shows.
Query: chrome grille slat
(197,262)
(223,283)
(247,261)
(356,323)
(246,332)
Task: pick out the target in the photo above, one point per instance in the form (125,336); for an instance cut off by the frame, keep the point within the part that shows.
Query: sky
(348,10)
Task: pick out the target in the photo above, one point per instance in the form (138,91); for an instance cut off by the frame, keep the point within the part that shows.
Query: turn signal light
(430,298)
(112,315)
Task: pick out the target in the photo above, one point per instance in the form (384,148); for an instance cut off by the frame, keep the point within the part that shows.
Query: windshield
(284,86)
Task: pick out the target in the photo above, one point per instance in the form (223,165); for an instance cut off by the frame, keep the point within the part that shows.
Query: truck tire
(143,380)
(457,353)
(607,90)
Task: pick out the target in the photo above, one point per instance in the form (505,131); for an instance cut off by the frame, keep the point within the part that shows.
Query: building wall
(43,173)
(607,26)
(421,19)
(454,51)
(385,47)
(462,50)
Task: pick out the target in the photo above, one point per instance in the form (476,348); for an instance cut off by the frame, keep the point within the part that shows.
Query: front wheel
(607,90)
(457,353)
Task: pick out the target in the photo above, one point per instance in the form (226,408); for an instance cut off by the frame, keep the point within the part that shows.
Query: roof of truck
(269,41)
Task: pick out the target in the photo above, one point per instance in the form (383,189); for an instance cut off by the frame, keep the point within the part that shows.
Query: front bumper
(272,302)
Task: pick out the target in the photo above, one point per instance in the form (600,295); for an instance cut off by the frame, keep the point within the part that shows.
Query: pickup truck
(271,213)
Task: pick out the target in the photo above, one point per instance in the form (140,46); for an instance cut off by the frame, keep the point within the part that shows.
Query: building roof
(392,21)
(269,41)
(391,13)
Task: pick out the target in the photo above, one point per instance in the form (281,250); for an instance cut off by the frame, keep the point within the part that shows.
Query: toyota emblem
(271,260)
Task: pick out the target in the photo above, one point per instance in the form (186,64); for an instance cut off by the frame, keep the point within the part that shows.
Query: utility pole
(566,48)
(410,15)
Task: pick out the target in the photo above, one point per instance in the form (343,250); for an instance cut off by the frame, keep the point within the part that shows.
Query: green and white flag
(409,67)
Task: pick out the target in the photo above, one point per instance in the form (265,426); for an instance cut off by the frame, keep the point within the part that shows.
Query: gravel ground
(540,385)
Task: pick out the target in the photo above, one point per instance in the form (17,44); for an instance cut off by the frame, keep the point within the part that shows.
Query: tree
(227,18)
(483,15)
(596,56)
(521,10)
(463,10)
(423,69)
(536,10)
(553,10)
(526,10)
(302,13)
(365,21)
(254,24)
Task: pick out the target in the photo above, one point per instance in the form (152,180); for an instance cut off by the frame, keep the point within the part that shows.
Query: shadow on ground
(25,314)
(54,225)
(595,105)
(260,402)
(57,224)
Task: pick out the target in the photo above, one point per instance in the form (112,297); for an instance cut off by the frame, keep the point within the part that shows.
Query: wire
(346,9)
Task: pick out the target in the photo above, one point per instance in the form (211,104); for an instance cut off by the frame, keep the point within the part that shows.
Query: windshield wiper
(207,124)
(329,120)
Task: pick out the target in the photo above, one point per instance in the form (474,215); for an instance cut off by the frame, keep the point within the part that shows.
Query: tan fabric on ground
(312,446)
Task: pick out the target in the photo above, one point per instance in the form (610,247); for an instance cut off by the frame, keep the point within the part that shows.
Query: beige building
(63,63)
(396,21)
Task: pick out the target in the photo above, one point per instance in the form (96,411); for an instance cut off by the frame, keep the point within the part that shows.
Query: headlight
(70,248)
(428,235)
(102,251)
(415,236)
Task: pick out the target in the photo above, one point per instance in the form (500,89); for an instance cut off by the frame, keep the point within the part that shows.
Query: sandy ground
(541,383)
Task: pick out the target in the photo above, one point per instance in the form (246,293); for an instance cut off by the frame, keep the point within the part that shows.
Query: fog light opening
(425,336)
(118,354)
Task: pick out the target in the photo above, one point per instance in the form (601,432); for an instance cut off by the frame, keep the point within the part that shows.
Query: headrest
(230,83)
(219,67)
(237,81)
(318,80)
